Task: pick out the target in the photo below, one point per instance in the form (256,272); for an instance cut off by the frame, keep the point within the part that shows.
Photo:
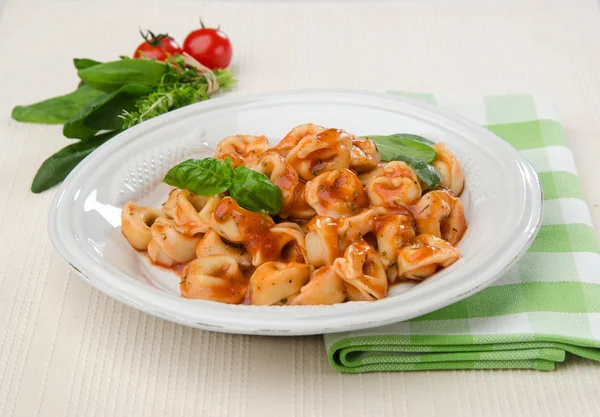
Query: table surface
(68,350)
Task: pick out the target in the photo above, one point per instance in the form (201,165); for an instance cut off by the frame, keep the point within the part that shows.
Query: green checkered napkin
(545,306)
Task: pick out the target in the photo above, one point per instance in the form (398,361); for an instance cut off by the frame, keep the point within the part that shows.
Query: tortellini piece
(296,135)
(396,186)
(326,287)
(241,148)
(322,241)
(278,282)
(365,177)
(424,255)
(446,163)
(320,153)
(364,155)
(440,214)
(393,231)
(292,245)
(190,212)
(239,225)
(336,193)
(264,240)
(136,222)
(167,240)
(355,228)
(363,272)
(300,209)
(214,278)
(285,177)
(212,244)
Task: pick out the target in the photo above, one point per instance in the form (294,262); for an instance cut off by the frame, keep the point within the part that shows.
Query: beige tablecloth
(68,350)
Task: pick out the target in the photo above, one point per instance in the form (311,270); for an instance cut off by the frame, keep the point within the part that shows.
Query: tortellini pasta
(424,255)
(363,272)
(136,222)
(395,186)
(212,244)
(325,287)
(278,282)
(323,152)
(350,226)
(393,231)
(322,245)
(241,148)
(446,163)
(441,214)
(364,156)
(295,136)
(215,278)
(274,166)
(336,193)
(190,212)
(177,246)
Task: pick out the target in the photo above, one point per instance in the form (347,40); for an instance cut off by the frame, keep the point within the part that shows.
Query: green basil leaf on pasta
(205,177)
(403,144)
(426,173)
(255,192)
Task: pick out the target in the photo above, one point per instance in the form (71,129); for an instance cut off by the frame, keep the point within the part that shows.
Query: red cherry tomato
(158,47)
(210,47)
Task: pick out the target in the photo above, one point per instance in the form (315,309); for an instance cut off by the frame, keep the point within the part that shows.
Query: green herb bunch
(180,86)
(112,97)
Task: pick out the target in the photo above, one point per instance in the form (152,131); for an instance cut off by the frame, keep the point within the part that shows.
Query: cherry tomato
(158,47)
(210,47)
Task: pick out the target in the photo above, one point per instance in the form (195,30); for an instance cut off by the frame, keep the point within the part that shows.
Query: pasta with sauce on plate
(349,225)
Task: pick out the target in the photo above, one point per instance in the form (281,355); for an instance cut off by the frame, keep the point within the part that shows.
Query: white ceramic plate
(502,200)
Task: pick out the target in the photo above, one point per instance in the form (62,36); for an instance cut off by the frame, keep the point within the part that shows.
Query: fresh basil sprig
(403,144)
(414,150)
(201,176)
(255,192)
(251,189)
(426,172)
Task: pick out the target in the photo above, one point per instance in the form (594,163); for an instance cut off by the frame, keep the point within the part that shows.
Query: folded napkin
(545,306)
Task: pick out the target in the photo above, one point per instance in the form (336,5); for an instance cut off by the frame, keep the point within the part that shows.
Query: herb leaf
(416,138)
(103,113)
(178,88)
(57,167)
(113,75)
(57,109)
(83,63)
(426,173)
(404,144)
(255,192)
(201,176)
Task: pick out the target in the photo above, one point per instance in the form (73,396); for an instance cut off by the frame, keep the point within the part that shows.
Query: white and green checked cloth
(547,305)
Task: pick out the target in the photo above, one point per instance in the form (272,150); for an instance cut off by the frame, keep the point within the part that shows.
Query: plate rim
(93,273)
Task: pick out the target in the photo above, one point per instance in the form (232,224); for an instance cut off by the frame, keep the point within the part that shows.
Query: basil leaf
(255,192)
(57,109)
(57,167)
(113,75)
(416,138)
(392,145)
(426,173)
(83,63)
(201,176)
(103,113)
